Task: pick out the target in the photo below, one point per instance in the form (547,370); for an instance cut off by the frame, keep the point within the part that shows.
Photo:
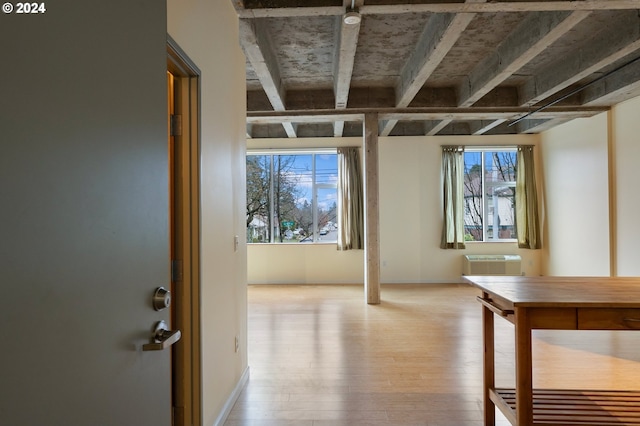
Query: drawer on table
(608,319)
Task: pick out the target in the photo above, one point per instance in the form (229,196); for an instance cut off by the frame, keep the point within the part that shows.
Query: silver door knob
(162,338)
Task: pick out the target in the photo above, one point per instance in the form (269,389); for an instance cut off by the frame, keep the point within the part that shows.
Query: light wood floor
(319,355)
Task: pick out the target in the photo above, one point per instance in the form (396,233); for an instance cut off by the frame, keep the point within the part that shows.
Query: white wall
(207,32)
(575,163)
(410,223)
(625,131)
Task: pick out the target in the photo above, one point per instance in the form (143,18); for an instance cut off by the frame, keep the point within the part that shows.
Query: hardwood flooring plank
(320,356)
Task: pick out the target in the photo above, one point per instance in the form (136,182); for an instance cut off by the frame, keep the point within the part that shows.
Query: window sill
(492,242)
(318,243)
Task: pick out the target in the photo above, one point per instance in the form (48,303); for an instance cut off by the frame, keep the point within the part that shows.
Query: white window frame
(315,186)
(485,200)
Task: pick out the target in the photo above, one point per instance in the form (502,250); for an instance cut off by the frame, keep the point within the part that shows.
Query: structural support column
(371,210)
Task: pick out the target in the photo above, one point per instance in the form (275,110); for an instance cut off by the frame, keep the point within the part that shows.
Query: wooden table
(556,303)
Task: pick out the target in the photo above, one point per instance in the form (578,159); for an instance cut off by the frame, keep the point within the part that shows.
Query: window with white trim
(292,196)
(489,194)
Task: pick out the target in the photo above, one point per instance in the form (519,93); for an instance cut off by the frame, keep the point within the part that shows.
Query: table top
(575,292)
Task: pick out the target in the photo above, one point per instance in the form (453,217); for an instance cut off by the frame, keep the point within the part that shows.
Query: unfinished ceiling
(434,67)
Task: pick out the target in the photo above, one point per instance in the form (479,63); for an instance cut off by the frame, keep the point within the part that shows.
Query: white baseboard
(222,417)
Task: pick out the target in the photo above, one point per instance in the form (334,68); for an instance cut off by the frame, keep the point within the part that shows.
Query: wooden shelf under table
(562,407)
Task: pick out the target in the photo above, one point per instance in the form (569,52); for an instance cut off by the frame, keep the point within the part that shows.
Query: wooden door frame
(186,360)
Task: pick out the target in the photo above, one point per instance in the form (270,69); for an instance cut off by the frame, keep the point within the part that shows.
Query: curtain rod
(271,151)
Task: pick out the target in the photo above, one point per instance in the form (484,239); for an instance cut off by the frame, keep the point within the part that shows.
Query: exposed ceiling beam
(259,51)
(369,97)
(432,128)
(343,65)
(326,116)
(491,7)
(440,34)
(499,7)
(492,114)
(604,50)
(418,114)
(576,62)
(537,126)
(258,48)
(352,4)
(524,43)
(291,12)
(483,126)
(620,85)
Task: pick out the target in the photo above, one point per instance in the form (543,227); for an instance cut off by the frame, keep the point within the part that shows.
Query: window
(292,197)
(489,194)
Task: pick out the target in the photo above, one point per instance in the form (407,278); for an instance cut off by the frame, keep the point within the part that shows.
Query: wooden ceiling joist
(417,114)
(435,66)
(620,85)
(343,66)
(255,41)
(491,7)
(611,46)
(525,42)
(440,34)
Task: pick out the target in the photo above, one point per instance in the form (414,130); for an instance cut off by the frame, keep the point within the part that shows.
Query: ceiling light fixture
(351,18)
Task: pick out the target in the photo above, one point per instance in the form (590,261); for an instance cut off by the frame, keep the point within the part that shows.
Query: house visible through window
(489,194)
(292,197)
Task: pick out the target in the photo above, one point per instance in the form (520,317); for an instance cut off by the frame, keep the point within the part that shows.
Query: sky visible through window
(326,173)
(288,214)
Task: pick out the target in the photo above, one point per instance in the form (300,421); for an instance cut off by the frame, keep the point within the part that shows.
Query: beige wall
(590,170)
(304,264)
(207,32)
(410,224)
(575,164)
(625,132)
(411,211)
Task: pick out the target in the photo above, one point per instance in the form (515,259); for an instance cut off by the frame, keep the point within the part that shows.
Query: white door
(84,238)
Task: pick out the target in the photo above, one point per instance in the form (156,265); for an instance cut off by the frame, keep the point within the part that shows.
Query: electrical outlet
(237,344)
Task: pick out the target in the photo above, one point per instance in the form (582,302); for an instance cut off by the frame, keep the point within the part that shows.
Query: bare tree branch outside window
(489,193)
(280,198)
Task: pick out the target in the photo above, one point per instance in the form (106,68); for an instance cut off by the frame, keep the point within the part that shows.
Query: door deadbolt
(161,299)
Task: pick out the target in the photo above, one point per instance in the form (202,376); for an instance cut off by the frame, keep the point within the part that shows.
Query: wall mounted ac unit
(492,264)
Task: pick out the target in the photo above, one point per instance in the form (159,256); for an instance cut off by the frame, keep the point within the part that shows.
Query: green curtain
(527,222)
(351,195)
(453,197)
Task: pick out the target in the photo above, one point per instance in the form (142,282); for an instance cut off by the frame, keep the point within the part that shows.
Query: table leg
(524,380)
(489,365)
